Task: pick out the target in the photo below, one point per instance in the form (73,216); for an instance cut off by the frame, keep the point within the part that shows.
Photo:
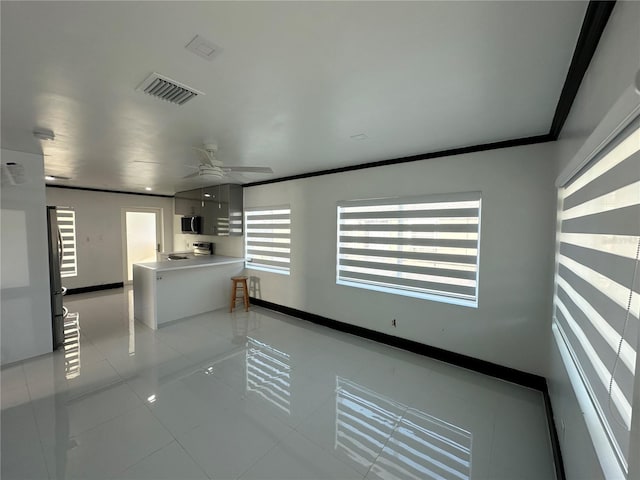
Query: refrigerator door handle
(60,248)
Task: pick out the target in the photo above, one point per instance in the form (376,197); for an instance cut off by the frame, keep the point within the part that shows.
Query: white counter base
(167,291)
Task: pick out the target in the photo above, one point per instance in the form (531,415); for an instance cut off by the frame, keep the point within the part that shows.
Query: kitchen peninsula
(169,290)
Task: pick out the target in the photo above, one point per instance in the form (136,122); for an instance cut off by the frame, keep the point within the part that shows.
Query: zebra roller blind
(67,225)
(596,302)
(425,247)
(268,239)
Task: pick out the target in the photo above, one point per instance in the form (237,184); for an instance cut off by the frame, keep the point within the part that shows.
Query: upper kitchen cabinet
(222,210)
(236,213)
(189,203)
(211,210)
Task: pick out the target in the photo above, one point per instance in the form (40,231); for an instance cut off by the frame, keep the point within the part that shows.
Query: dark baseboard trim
(508,374)
(104,190)
(95,288)
(518,142)
(595,20)
(553,436)
(481,366)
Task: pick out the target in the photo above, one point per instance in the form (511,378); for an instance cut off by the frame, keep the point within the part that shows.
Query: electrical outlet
(393,322)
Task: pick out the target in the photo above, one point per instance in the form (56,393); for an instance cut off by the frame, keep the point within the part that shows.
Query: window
(424,247)
(268,239)
(597,280)
(67,225)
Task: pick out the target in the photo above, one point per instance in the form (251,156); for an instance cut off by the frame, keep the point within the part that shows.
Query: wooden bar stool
(239,281)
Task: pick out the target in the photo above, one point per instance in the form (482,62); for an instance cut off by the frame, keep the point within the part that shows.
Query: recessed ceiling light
(359,136)
(148,189)
(51,178)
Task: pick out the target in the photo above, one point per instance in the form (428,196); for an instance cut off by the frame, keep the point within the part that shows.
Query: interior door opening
(143,237)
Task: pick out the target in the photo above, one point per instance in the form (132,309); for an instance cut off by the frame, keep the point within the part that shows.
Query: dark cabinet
(219,205)
(188,203)
(211,202)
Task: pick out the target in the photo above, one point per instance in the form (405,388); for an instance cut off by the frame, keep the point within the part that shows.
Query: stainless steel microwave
(192,225)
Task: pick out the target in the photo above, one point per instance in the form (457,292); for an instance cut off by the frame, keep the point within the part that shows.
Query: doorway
(142,237)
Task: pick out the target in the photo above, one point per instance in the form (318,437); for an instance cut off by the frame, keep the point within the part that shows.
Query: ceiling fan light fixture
(211,171)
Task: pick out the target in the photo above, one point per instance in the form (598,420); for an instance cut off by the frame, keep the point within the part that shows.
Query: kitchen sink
(177,257)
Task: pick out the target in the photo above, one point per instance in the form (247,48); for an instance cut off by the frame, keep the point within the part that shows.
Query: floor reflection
(71,329)
(268,374)
(241,324)
(421,446)
(132,323)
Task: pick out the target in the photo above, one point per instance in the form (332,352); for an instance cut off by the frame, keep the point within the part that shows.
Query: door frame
(159,234)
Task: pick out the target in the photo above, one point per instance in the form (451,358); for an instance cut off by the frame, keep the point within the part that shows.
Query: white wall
(610,72)
(24,279)
(511,326)
(99,231)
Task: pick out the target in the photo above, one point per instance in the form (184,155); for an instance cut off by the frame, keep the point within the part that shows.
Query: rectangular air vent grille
(166,89)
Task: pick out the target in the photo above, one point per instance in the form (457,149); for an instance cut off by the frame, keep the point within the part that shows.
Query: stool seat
(239,281)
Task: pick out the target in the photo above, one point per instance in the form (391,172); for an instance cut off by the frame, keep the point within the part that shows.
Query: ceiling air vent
(166,89)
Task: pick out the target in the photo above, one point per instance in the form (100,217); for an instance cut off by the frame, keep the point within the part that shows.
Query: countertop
(197,262)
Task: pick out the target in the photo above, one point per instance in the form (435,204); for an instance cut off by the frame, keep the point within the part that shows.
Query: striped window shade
(596,301)
(268,239)
(425,247)
(67,225)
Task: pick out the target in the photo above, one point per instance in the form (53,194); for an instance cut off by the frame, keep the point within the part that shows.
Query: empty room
(320,240)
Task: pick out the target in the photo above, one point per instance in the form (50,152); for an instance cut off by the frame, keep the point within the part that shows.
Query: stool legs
(233,295)
(245,290)
(239,282)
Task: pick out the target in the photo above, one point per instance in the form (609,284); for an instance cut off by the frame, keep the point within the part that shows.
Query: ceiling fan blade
(248,169)
(193,175)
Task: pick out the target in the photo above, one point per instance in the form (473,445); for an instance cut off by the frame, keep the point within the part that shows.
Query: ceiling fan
(211,167)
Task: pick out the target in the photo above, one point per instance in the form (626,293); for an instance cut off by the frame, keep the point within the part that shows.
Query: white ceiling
(289,86)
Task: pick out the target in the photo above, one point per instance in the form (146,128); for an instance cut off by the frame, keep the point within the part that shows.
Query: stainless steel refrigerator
(56,250)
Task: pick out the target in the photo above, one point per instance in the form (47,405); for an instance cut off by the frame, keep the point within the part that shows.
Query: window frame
(420,293)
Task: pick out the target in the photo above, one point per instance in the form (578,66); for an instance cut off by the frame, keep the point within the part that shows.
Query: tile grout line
(35,420)
(144,458)
(395,427)
(175,438)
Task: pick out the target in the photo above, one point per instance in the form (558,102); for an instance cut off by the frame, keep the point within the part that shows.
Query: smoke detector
(202,47)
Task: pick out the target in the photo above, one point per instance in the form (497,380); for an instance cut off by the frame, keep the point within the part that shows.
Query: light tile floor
(256,395)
